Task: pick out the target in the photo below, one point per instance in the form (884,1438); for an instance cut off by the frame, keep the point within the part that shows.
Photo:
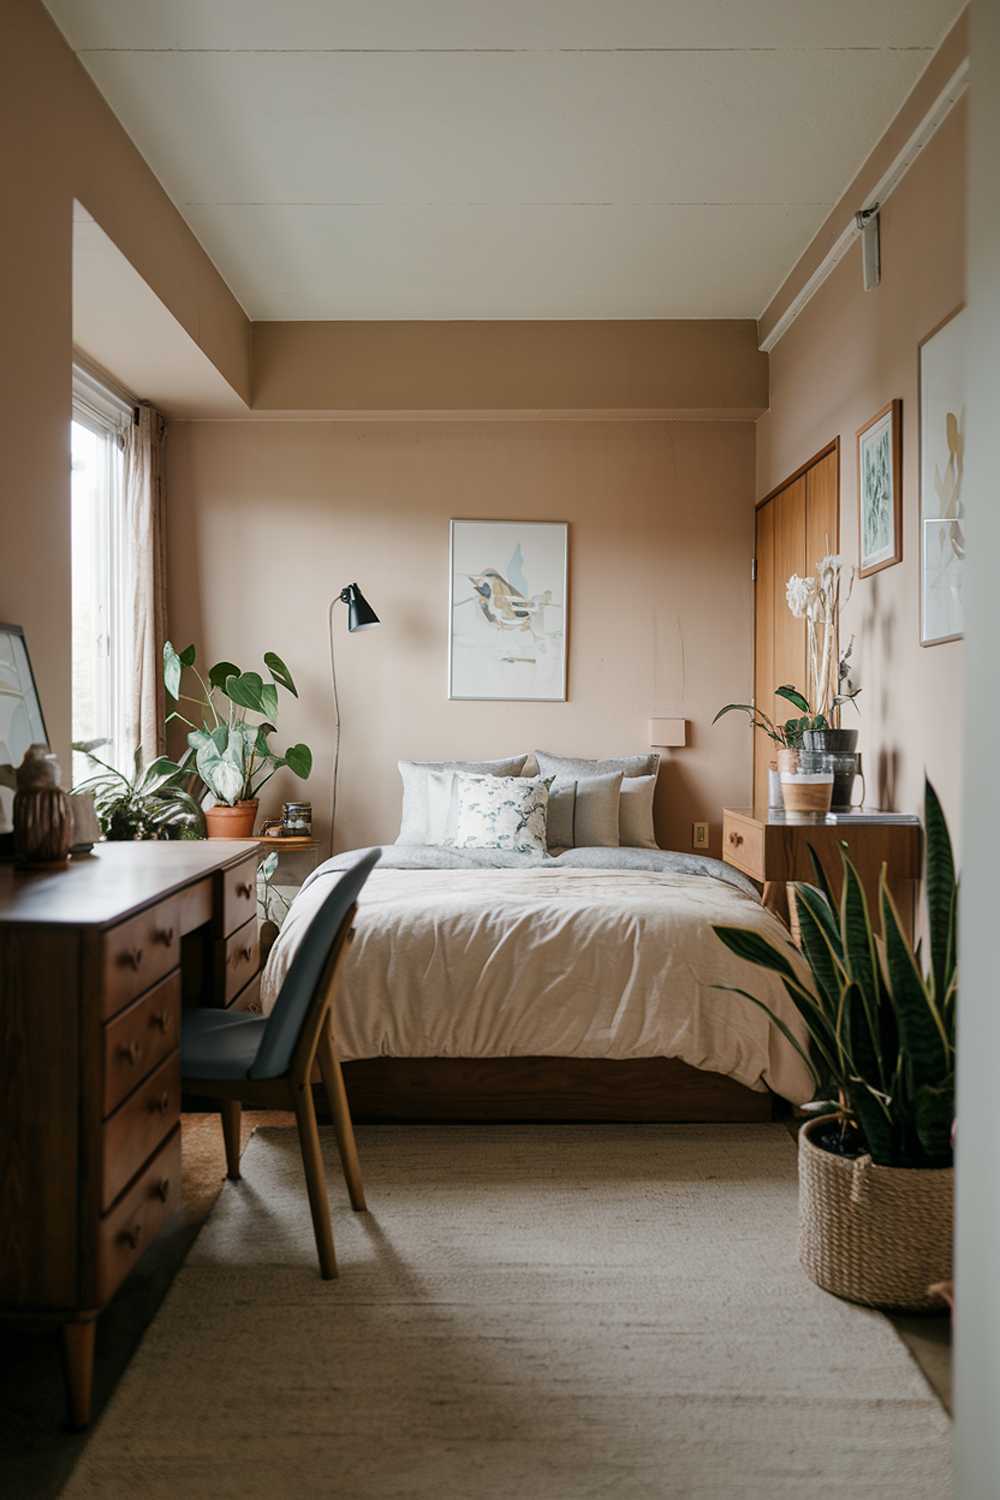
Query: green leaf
(188,656)
(269,700)
(730,708)
(280,672)
(875,1123)
(246,690)
(159,772)
(940,887)
(922,1032)
(757,950)
(171,670)
(222,670)
(299,759)
(776,1021)
(820,940)
(267,866)
(860,956)
(792,696)
(261,748)
(935,1115)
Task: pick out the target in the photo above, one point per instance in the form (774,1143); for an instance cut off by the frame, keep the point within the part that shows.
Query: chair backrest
(305,983)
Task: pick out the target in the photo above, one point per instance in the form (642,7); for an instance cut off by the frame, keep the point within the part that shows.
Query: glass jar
(296,820)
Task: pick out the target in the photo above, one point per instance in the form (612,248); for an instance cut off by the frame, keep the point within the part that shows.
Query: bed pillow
(421,824)
(635,808)
(501,812)
(583,812)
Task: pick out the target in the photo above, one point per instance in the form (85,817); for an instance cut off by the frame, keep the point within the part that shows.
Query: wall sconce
(667,734)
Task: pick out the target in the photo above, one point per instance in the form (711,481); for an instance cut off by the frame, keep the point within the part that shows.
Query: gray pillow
(583,812)
(420,824)
(635,808)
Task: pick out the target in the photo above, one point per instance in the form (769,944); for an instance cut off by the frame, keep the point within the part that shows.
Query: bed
(584,985)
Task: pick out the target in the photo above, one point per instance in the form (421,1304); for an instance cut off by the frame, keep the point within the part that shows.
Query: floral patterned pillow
(502,812)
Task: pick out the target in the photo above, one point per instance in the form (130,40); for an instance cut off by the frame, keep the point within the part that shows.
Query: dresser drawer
(237,960)
(139,1038)
(138,1126)
(239,895)
(248,999)
(134,1223)
(138,953)
(743,845)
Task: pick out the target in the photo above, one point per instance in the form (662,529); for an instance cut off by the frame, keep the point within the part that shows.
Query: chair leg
(230,1109)
(312,1161)
(336,1093)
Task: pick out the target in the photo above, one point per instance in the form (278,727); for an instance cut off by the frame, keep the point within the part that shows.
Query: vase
(774,798)
(43,827)
(236,822)
(807,791)
(876,1235)
(839,746)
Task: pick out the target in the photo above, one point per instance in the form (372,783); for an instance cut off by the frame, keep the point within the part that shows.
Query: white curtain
(143,483)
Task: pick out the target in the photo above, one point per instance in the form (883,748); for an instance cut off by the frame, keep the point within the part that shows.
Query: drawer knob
(736,839)
(133,958)
(159,1106)
(131,1236)
(162,1189)
(130,1052)
(164,935)
(246,954)
(244,889)
(161,1018)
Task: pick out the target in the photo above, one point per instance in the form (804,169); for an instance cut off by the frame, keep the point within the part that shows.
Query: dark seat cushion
(219,1043)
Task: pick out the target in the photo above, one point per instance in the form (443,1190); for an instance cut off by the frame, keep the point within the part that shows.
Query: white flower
(800,593)
(832,563)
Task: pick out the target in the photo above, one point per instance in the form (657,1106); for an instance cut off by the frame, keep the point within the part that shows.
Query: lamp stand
(336,743)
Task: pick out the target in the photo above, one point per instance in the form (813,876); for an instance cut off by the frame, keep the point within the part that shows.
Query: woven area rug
(528,1312)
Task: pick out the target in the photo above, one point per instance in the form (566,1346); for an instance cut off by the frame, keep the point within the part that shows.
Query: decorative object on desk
(941,375)
(228,752)
(86,825)
(43,823)
(21,720)
(837,748)
(807,791)
(787,736)
(876,1191)
(508,610)
(152,803)
(296,820)
(880,490)
(360,616)
(818,601)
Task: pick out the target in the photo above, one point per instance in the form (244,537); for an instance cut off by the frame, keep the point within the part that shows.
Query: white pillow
(583,812)
(420,824)
(635,808)
(635,812)
(501,812)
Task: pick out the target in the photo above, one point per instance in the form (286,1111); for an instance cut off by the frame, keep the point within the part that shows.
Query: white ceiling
(504,158)
(121,325)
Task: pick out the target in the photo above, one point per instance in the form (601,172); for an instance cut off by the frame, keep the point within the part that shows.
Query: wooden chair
(267,1063)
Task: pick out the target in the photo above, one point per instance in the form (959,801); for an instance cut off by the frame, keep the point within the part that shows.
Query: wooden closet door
(763,650)
(822,511)
(789,557)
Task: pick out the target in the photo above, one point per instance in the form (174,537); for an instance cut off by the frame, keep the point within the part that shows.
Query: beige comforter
(549,960)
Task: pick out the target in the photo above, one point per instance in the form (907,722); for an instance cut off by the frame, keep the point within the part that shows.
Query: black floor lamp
(360,616)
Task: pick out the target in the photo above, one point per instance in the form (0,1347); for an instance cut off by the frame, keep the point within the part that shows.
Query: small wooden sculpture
(43,821)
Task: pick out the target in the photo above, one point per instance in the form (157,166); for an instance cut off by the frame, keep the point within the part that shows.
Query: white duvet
(597,953)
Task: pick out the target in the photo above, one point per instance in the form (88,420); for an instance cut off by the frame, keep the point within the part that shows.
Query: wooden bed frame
(647,1090)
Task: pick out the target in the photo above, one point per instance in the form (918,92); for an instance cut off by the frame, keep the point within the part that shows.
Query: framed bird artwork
(508,610)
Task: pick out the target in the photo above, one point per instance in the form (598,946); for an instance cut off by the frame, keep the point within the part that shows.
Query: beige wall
(847,354)
(59,140)
(268,519)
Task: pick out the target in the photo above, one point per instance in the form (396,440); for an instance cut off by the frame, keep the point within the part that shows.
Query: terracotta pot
(231,822)
(877,1235)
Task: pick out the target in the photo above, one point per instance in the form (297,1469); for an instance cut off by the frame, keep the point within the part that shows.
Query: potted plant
(875,1164)
(149,804)
(229,750)
(788,737)
(274,907)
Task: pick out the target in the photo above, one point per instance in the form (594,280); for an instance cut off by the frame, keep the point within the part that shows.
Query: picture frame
(941,447)
(22,722)
(508,610)
(880,490)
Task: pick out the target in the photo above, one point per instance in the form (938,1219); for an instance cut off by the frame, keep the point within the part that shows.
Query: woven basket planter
(876,1235)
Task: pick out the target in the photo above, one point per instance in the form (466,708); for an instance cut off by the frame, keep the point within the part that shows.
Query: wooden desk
(773,848)
(96,963)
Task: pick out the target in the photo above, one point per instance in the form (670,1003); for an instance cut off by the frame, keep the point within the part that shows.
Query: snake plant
(881,1030)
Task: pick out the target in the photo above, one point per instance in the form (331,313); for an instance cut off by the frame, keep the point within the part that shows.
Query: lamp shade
(360,615)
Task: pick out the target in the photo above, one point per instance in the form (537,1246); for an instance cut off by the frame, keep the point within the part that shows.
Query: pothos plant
(230,749)
(787,735)
(151,803)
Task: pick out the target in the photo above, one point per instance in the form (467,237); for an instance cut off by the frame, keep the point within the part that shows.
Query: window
(99,647)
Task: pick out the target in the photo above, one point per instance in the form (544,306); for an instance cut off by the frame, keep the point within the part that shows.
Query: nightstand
(773,848)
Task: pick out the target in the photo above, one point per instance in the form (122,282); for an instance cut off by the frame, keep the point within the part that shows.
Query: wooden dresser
(773,847)
(96,963)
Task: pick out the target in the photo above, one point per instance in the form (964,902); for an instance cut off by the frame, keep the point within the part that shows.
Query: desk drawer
(138,1126)
(248,999)
(743,845)
(237,960)
(138,953)
(139,1038)
(239,895)
(135,1222)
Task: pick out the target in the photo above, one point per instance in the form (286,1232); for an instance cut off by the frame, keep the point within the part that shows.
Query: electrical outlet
(699,835)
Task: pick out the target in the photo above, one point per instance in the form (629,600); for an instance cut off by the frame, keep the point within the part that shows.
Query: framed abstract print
(880,490)
(941,373)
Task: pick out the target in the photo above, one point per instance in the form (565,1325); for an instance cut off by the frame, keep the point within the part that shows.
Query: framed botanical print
(941,372)
(880,490)
(508,604)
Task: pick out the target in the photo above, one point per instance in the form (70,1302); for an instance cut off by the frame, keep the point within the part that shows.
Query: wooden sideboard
(97,961)
(772,847)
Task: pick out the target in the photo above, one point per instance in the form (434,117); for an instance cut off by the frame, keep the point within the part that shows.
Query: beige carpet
(537,1313)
